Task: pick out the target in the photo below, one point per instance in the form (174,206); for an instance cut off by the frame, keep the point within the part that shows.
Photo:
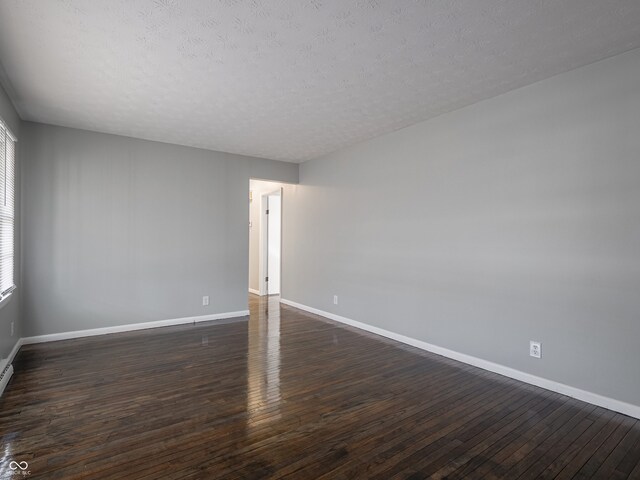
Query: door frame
(263,244)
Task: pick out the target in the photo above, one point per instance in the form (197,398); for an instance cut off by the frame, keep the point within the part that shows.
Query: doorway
(265,237)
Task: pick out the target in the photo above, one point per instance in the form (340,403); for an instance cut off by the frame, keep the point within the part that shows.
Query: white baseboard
(14,351)
(6,362)
(221,316)
(585,396)
(254,291)
(4,379)
(131,327)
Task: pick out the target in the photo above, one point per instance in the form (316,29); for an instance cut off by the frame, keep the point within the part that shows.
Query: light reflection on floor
(263,398)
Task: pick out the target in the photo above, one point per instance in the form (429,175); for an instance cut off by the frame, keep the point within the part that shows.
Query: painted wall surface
(514,219)
(10,310)
(8,113)
(258,188)
(118,230)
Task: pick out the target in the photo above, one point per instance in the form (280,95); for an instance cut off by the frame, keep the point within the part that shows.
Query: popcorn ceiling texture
(289,79)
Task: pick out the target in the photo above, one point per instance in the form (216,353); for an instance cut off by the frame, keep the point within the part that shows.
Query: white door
(273,234)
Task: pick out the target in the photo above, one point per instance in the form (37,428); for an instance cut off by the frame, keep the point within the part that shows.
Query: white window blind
(7,210)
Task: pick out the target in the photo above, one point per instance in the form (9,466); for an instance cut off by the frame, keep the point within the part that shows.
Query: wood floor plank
(566,457)
(608,469)
(589,468)
(631,458)
(448,463)
(549,408)
(288,394)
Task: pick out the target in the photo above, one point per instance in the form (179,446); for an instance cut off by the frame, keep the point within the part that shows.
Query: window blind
(7,211)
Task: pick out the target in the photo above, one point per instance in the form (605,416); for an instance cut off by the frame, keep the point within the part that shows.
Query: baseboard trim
(585,396)
(14,351)
(6,369)
(53,337)
(254,291)
(5,376)
(221,316)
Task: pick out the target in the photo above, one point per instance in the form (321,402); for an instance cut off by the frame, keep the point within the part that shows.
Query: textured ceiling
(288,79)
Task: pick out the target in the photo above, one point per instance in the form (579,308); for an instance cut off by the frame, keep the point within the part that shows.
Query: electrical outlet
(12,328)
(205,300)
(535,349)
(335,299)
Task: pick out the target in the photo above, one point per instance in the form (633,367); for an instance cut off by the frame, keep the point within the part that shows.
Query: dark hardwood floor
(288,394)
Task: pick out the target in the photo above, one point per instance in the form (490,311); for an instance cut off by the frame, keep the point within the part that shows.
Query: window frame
(5,210)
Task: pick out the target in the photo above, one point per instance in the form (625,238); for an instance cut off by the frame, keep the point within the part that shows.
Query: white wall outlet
(335,299)
(535,349)
(12,328)
(205,300)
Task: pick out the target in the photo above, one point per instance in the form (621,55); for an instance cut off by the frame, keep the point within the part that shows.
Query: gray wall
(515,219)
(118,230)
(10,311)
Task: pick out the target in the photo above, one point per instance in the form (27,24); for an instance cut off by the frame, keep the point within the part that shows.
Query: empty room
(320,239)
